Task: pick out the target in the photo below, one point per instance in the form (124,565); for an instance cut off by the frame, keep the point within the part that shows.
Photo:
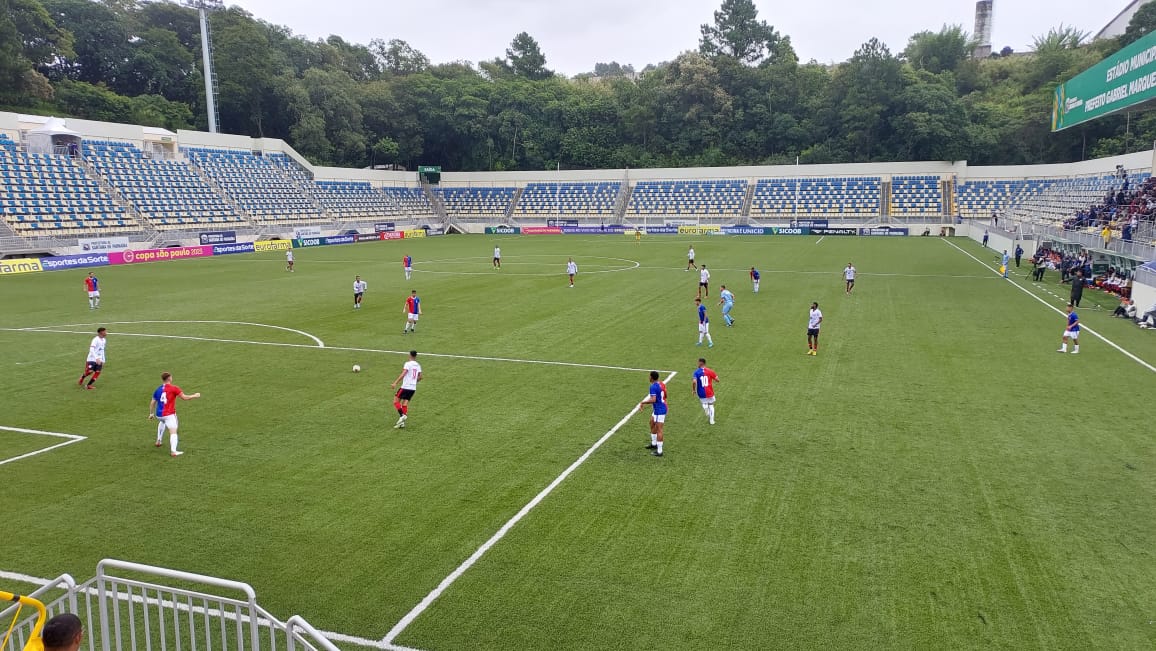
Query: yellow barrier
(698,230)
(272,245)
(35,642)
(416,232)
(20,266)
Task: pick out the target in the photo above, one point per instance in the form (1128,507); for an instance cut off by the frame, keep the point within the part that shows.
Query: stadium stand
(257,185)
(826,197)
(569,198)
(713,197)
(410,201)
(46,194)
(1066,198)
(477,201)
(168,194)
(354,200)
(981,198)
(918,196)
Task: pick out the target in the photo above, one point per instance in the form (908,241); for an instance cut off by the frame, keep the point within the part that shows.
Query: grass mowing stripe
(505,528)
(1060,312)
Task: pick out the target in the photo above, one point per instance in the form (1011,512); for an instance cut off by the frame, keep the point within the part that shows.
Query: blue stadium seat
(597,198)
(258,184)
(706,198)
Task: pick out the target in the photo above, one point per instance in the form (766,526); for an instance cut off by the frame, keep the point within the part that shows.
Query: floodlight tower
(203,8)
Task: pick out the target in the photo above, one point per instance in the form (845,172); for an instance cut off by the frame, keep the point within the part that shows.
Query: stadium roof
(1117,25)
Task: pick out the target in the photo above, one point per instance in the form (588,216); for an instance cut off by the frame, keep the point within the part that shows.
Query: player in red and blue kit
(413,311)
(755,279)
(164,403)
(704,380)
(407,263)
(657,398)
(93,286)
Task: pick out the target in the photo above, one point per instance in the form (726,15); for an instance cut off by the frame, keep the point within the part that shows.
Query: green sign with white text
(1124,79)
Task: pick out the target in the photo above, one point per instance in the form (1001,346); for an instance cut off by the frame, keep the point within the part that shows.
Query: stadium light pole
(203,8)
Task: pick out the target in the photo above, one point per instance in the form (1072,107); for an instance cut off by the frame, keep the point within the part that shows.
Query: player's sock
(160,432)
(653,438)
(710,413)
(173,442)
(1076,348)
(405,410)
(94,376)
(400,411)
(659,444)
(1063,348)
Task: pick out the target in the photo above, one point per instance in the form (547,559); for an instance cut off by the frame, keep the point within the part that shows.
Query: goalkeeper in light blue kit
(727,301)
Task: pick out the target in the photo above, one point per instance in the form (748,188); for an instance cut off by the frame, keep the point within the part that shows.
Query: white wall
(214,140)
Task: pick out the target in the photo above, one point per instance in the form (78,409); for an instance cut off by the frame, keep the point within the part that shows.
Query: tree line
(741,98)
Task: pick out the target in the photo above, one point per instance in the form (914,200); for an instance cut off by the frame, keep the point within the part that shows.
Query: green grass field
(937,477)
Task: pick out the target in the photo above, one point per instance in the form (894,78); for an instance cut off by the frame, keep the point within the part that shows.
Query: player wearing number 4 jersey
(657,398)
(164,408)
(704,381)
(410,376)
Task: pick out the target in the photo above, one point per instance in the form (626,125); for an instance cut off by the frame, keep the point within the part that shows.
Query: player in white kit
(571,270)
(410,375)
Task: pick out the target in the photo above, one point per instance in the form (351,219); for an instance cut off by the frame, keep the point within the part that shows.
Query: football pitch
(938,476)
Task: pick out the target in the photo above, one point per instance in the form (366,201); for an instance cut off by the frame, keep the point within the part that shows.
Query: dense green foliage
(929,481)
(741,97)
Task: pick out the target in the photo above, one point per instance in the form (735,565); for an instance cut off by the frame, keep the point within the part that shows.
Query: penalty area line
(425,603)
(350,349)
(72,438)
(1055,309)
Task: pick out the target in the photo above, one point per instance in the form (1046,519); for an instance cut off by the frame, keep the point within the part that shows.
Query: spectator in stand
(1107,235)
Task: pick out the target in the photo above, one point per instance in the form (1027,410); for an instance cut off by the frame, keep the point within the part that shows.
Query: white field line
(513,360)
(505,528)
(820,239)
(860,273)
(201,610)
(320,344)
(72,438)
(1053,308)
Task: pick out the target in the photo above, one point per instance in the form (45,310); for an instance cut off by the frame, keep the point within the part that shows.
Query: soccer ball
(356,368)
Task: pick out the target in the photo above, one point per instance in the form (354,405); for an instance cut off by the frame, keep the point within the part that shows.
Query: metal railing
(126,606)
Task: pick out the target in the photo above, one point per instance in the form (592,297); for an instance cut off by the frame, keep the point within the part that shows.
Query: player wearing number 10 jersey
(704,381)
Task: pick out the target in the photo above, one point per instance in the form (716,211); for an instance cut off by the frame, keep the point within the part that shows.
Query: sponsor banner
(834,231)
(662,230)
(306,232)
(810,223)
(272,245)
(793,230)
(157,255)
(413,232)
(593,230)
(746,230)
(503,230)
(541,230)
(388,235)
(699,230)
(20,266)
(884,230)
(308,242)
(104,244)
(384,227)
(1124,79)
(74,261)
(340,239)
(433,232)
(561,222)
(219,237)
(376,236)
(228,249)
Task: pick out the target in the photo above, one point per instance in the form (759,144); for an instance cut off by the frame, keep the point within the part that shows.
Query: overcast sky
(575,34)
